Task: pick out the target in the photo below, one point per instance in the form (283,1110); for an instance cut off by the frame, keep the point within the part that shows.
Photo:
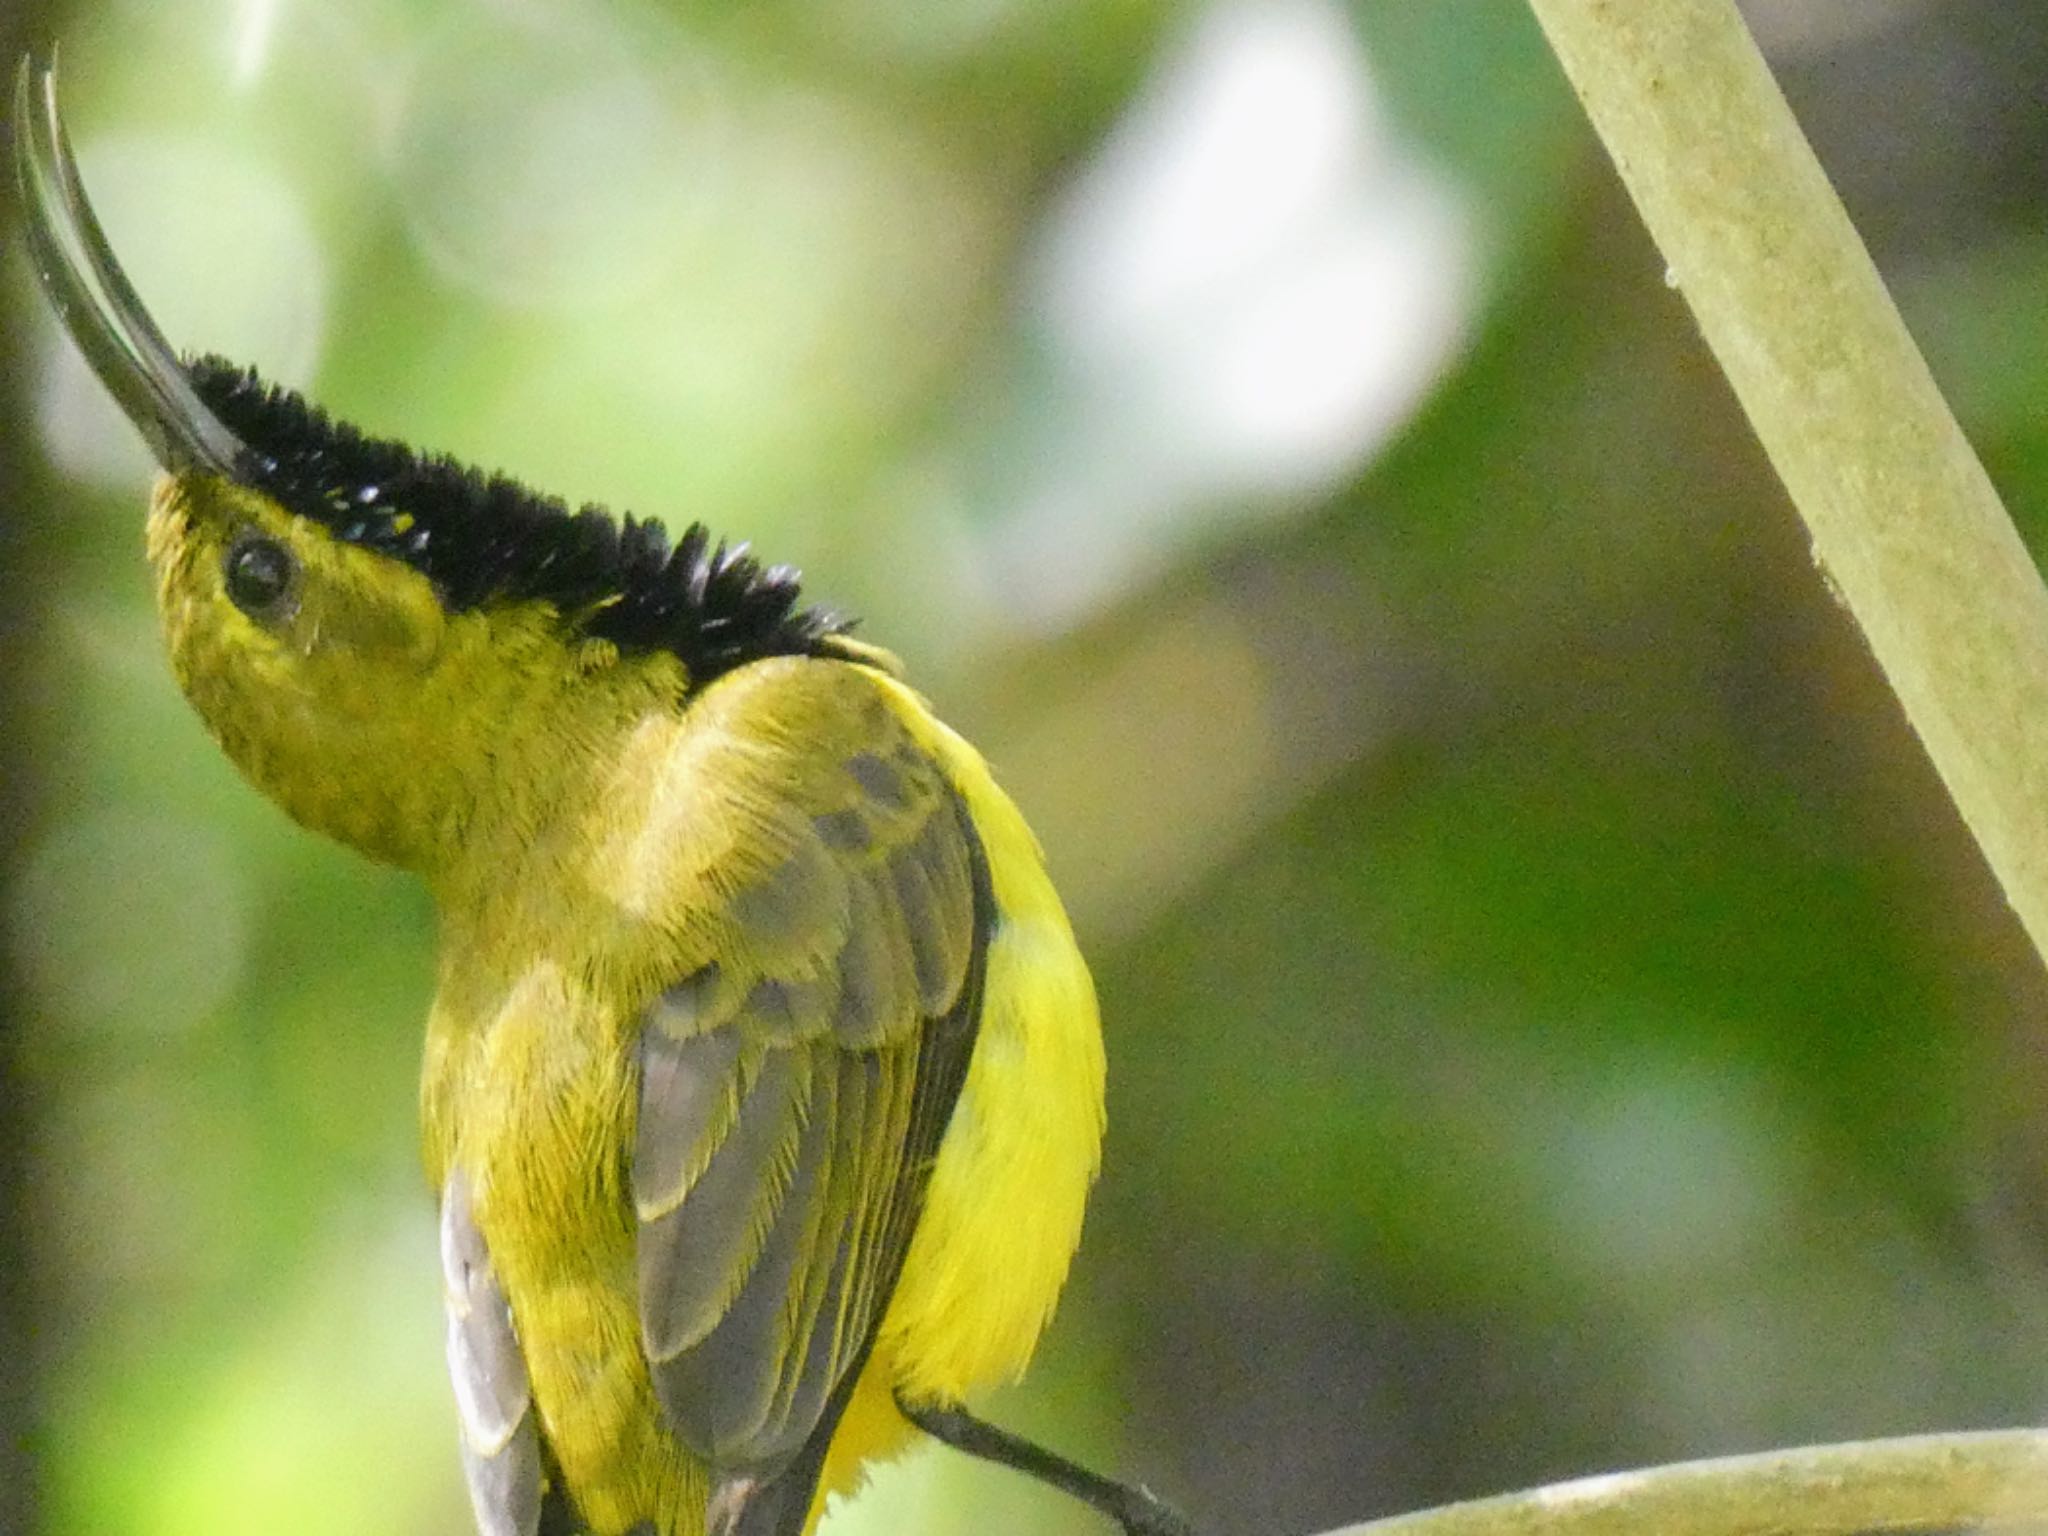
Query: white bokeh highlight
(1249,290)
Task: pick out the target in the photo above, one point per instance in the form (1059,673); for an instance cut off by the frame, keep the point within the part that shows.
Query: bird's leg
(1136,1509)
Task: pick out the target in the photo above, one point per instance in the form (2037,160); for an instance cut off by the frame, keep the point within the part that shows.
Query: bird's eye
(259,575)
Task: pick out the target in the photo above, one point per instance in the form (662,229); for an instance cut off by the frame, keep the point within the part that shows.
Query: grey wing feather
(505,1489)
(697,1079)
(500,1445)
(718,1398)
(875,969)
(694,1256)
(773,1224)
(931,885)
(808,1377)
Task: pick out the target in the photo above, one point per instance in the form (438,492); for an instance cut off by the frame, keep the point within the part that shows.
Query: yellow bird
(763,1085)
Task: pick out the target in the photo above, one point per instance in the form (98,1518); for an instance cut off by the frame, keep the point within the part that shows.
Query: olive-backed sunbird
(763,1082)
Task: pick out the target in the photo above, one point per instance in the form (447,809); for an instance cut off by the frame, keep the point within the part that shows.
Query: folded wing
(796,1083)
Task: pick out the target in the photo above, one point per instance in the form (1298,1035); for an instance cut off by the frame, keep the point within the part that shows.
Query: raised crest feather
(483,538)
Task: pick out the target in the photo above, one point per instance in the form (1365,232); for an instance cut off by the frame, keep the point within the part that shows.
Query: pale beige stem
(1903,520)
(1923,1483)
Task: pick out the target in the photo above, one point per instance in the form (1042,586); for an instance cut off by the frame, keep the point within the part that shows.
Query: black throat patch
(483,538)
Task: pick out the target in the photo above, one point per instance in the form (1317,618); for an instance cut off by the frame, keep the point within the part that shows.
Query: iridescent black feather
(484,538)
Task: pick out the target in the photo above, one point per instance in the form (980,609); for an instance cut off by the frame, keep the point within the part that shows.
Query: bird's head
(393,646)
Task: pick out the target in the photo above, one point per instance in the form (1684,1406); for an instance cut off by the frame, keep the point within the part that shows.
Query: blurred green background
(1556,1021)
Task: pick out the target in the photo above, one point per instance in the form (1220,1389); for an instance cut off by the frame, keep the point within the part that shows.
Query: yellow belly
(1003,1211)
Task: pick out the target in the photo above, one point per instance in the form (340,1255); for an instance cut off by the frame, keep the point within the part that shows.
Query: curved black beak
(93,296)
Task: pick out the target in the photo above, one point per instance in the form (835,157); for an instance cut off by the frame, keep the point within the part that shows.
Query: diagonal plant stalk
(1908,529)
(1904,522)
(1921,1483)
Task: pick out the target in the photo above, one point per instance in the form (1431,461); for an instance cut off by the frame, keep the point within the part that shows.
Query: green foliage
(1555,1018)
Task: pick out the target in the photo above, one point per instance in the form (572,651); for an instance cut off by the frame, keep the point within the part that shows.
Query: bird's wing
(796,1082)
(500,1446)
